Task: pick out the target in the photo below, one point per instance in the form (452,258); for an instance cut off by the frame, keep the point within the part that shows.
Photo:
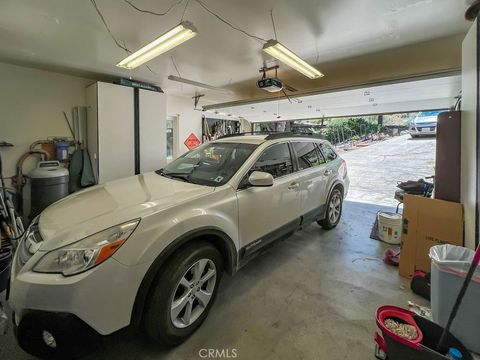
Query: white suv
(151,249)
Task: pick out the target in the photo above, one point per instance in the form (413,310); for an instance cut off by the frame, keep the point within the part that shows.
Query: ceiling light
(174,37)
(280,52)
(196,83)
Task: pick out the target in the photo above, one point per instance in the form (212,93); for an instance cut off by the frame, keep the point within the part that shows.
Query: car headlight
(86,253)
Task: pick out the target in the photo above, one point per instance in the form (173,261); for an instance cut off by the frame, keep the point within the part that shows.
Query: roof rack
(248,133)
(272,135)
(280,135)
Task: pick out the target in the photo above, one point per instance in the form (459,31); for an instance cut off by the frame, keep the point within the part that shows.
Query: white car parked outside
(424,124)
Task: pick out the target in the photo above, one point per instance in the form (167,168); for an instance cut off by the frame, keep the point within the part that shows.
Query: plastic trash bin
(450,265)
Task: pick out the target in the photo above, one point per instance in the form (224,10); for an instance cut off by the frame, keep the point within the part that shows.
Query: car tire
(414,136)
(178,280)
(334,210)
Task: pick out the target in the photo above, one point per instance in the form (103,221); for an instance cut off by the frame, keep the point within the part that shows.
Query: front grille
(29,244)
(425,128)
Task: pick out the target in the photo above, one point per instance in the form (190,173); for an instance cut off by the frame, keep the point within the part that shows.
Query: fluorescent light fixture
(196,83)
(282,53)
(172,38)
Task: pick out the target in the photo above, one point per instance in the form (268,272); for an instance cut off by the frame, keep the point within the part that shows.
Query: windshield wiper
(174,175)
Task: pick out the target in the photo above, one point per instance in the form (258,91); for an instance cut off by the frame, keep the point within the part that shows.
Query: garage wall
(32,101)
(469,133)
(189,120)
(31,105)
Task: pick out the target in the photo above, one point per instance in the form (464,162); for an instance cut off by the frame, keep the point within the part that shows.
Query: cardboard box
(426,223)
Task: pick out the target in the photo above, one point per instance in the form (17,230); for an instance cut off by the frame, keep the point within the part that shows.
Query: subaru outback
(151,249)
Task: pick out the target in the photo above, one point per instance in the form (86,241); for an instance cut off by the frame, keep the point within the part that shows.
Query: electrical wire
(206,8)
(153,12)
(273,23)
(123,47)
(184,10)
(201,3)
(94,3)
(150,69)
(16,238)
(175,66)
(230,24)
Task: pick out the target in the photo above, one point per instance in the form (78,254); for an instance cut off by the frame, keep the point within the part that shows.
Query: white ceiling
(68,34)
(428,94)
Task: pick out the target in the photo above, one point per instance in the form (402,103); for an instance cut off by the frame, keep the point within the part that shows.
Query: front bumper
(423,131)
(102,297)
(67,336)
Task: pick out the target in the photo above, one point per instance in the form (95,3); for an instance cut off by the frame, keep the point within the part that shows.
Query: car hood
(102,206)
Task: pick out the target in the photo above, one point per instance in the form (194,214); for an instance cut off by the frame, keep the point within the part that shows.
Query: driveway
(375,170)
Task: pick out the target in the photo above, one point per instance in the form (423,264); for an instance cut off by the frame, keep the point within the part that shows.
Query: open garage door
(375,166)
(400,96)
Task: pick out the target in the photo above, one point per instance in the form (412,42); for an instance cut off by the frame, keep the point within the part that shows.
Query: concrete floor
(375,170)
(312,296)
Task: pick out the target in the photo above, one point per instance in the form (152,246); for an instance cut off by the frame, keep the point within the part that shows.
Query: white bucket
(389,227)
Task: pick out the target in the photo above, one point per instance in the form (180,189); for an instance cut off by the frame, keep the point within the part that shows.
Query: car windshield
(211,164)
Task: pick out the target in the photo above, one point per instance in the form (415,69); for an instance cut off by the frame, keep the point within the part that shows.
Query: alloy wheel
(193,293)
(334,207)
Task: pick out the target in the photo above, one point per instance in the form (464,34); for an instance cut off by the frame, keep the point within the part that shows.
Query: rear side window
(307,155)
(328,152)
(275,160)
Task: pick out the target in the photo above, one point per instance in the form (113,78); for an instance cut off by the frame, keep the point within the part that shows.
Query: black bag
(420,284)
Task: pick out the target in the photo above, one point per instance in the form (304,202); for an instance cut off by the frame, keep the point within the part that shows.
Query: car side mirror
(260,178)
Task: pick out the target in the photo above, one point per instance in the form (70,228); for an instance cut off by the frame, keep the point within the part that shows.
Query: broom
(466,282)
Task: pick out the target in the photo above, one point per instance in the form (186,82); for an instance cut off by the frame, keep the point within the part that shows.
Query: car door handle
(327,172)
(293,186)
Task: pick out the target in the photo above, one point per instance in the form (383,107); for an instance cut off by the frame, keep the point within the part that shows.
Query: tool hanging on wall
(11,223)
(81,170)
(69,126)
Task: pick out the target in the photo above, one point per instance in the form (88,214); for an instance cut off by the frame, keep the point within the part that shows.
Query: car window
(321,157)
(328,152)
(275,160)
(307,155)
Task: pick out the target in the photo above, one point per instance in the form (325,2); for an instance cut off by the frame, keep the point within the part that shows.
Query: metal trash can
(450,265)
(49,183)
